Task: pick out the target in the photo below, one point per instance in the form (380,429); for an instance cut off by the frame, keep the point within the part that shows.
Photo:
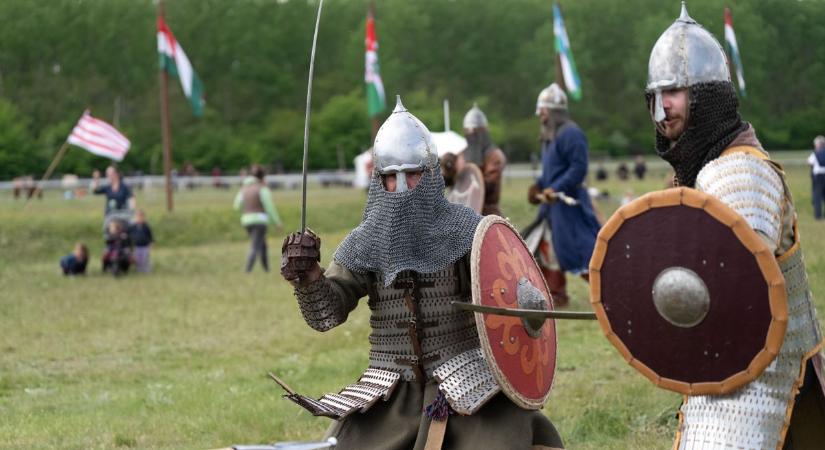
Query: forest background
(59,57)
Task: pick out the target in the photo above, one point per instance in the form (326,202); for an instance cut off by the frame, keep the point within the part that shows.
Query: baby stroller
(117,255)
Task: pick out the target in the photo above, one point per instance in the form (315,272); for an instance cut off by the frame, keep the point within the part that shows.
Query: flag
(568,65)
(376,99)
(733,51)
(98,137)
(174,60)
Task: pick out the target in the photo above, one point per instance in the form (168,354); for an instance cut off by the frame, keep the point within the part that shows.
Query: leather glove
(533,194)
(300,256)
(549,196)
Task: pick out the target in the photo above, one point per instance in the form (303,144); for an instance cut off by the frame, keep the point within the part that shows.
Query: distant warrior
(410,257)
(482,152)
(817,162)
(700,133)
(572,225)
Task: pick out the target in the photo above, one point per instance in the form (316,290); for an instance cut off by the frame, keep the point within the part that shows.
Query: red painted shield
(523,359)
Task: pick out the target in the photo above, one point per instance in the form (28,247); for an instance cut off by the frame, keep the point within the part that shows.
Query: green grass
(177,359)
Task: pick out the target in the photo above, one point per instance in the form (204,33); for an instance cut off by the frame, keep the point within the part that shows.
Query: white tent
(449,142)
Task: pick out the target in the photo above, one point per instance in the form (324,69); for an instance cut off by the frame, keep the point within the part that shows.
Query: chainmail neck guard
(478,143)
(713,123)
(416,230)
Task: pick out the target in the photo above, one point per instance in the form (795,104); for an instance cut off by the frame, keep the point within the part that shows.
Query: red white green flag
(174,61)
(376,99)
(733,51)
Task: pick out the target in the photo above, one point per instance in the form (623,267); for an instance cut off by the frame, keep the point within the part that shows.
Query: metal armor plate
(468,189)
(688,292)
(521,353)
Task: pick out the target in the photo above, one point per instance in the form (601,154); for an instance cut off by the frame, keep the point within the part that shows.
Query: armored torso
(757,415)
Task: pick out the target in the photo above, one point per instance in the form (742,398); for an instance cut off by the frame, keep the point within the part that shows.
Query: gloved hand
(548,195)
(300,256)
(533,194)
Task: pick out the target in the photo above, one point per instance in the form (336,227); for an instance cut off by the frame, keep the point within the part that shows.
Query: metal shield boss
(521,353)
(468,189)
(688,293)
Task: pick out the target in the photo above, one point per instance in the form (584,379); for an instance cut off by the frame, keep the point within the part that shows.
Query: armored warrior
(409,256)
(482,152)
(564,167)
(700,133)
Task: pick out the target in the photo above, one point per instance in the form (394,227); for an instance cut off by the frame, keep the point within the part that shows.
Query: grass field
(177,359)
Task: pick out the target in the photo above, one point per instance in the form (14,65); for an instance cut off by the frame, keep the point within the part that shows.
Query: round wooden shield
(695,252)
(521,357)
(468,189)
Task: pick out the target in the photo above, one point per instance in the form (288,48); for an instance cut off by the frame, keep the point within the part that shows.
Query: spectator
(255,200)
(141,235)
(75,262)
(601,173)
(817,163)
(118,195)
(623,172)
(640,167)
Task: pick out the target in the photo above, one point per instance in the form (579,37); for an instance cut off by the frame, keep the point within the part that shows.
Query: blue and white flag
(568,65)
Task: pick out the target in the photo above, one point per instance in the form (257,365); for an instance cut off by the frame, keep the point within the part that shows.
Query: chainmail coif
(712,124)
(416,230)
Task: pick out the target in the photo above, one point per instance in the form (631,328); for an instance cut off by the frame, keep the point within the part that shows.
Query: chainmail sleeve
(326,302)
(752,188)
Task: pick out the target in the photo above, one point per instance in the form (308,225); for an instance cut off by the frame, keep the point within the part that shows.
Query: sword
(529,314)
(306,120)
(561,196)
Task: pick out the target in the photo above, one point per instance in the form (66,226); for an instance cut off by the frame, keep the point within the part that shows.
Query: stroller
(117,256)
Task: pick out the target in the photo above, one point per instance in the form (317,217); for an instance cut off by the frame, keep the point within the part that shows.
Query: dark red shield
(522,358)
(744,316)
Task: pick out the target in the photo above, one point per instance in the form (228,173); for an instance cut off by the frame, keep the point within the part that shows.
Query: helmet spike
(684,16)
(399,107)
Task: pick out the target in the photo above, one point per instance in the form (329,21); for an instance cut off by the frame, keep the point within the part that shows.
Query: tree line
(59,57)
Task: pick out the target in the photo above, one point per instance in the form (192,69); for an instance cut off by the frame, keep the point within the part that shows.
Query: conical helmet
(403,144)
(552,97)
(475,118)
(684,55)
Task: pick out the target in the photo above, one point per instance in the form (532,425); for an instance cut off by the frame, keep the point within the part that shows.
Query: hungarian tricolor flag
(568,65)
(174,60)
(376,99)
(733,51)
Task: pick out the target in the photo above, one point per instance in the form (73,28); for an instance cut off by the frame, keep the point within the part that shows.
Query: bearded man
(700,133)
(573,227)
(409,256)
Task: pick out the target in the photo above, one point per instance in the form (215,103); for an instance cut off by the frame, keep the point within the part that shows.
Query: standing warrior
(482,152)
(409,255)
(700,133)
(564,167)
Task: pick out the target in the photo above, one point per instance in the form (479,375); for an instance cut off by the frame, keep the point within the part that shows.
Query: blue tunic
(574,228)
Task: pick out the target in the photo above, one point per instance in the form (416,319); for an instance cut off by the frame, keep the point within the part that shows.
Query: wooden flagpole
(164,127)
(52,166)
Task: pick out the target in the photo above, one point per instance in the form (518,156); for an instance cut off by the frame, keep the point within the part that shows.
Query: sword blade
(525,313)
(306,120)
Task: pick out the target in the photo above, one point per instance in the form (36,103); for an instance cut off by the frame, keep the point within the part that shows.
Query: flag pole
(164,127)
(376,124)
(52,166)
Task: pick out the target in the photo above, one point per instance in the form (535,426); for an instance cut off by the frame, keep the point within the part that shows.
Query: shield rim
(503,383)
(768,266)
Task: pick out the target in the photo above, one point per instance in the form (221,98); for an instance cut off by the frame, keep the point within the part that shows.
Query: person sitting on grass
(75,262)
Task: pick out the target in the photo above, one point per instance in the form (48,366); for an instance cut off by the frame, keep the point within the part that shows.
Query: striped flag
(98,137)
(376,99)
(733,51)
(568,65)
(174,60)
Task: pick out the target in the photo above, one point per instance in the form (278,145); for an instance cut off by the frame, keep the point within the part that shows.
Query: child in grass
(75,262)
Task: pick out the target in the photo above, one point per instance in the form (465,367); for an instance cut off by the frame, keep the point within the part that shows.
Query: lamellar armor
(409,256)
(757,415)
